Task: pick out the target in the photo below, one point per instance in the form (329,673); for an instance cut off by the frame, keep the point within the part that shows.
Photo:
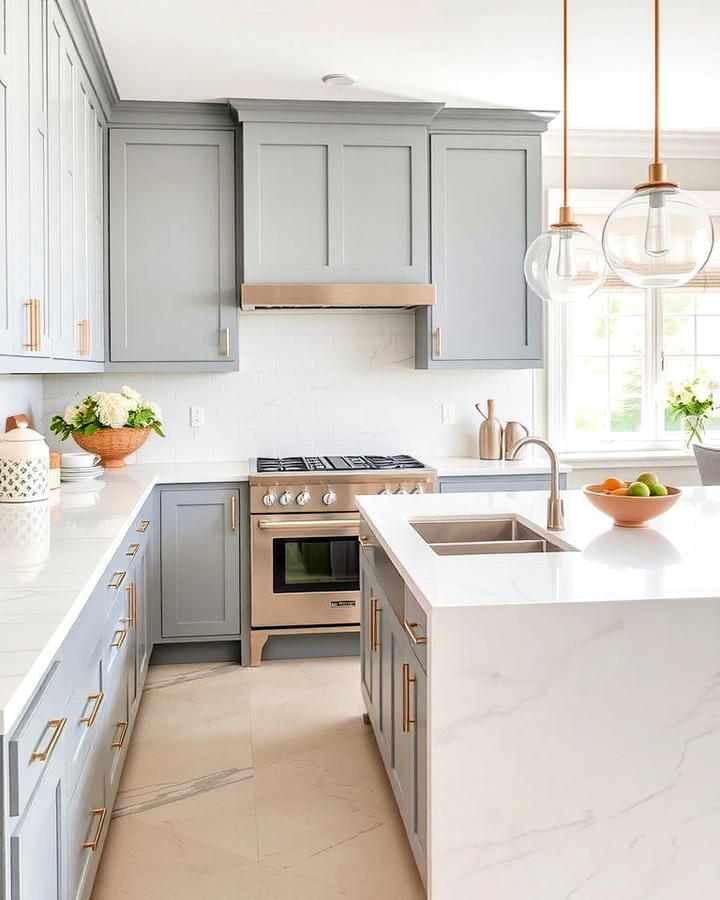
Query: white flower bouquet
(124,408)
(692,401)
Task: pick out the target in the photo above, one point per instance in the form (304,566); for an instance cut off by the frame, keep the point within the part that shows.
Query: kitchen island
(549,721)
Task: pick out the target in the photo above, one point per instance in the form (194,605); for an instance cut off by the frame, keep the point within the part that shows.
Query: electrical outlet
(197,416)
(447,414)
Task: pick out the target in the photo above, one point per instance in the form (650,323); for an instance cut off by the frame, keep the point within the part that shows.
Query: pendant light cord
(657,81)
(565,101)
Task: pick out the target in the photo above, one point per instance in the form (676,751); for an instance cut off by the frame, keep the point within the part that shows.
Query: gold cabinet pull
(365,541)
(225,341)
(375,611)
(408,679)
(98,698)
(123,726)
(233,513)
(143,526)
(35,331)
(117,579)
(102,812)
(120,639)
(437,335)
(132,550)
(84,332)
(130,618)
(58,725)
(408,626)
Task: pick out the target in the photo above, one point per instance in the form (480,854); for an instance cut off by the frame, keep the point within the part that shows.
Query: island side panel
(574,751)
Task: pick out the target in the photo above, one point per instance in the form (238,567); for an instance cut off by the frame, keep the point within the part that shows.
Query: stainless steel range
(304,538)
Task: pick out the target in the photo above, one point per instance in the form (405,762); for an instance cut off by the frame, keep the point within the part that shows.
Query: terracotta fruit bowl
(630,512)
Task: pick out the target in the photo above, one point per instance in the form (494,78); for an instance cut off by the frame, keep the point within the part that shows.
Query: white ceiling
(464,52)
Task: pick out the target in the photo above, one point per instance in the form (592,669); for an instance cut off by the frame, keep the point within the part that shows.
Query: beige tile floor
(255,784)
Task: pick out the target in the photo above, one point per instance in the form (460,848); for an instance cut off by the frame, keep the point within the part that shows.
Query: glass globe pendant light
(565,263)
(658,236)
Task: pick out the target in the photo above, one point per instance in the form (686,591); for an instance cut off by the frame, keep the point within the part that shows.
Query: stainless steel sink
(487,534)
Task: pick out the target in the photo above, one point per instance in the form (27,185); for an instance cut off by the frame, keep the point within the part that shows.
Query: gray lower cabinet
(172,248)
(485,205)
(200,563)
(464,484)
(334,202)
(37,848)
(394,689)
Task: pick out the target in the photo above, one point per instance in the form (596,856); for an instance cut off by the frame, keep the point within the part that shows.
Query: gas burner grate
(357,463)
(402,461)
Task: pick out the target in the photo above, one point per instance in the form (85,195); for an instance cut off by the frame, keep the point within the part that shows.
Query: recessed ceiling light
(339,79)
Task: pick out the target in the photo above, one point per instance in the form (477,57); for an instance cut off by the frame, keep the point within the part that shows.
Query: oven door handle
(309,523)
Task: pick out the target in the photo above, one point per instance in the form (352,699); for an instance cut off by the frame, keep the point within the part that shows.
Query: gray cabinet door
(37,849)
(334,203)
(200,553)
(401,741)
(374,606)
(172,246)
(418,832)
(490,483)
(485,201)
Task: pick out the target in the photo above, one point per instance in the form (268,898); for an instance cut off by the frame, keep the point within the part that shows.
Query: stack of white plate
(80,473)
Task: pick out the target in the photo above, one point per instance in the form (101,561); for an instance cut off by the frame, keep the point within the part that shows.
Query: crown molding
(369,112)
(630,144)
(85,37)
(492,119)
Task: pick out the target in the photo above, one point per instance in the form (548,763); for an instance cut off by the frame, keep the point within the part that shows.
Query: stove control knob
(286,498)
(385,490)
(401,490)
(269,498)
(329,497)
(303,498)
(418,489)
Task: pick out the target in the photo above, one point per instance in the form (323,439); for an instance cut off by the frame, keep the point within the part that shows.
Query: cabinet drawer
(37,739)
(140,531)
(88,819)
(386,573)
(85,715)
(116,630)
(415,624)
(116,736)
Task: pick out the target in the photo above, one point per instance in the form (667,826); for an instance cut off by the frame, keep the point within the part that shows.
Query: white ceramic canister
(24,466)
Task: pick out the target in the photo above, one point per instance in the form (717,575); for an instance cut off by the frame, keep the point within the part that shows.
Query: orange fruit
(612,484)
(620,492)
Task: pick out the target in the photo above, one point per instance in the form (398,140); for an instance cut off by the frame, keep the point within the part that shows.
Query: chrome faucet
(555,507)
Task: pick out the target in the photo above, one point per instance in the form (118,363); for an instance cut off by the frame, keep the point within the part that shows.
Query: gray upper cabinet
(334,203)
(200,563)
(172,248)
(485,209)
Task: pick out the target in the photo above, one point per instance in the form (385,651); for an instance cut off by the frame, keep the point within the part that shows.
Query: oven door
(305,570)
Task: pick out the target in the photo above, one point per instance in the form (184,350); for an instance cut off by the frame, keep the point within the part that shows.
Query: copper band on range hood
(337,295)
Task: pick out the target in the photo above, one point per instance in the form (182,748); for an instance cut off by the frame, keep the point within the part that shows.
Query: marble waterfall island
(566,710)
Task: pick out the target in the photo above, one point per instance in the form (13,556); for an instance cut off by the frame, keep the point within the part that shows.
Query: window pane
(677,302)
(627,303)
(708,304)
(590,335)
(679,333)
(589,401)
(626,392)
(708,334)
(627,335)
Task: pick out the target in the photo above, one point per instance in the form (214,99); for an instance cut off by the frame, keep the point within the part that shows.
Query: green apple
(648,478)
(638,489)
(658,490)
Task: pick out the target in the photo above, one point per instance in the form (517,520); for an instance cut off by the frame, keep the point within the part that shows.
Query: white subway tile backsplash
(314,382)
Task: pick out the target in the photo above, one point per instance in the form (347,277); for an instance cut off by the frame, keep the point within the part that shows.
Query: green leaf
(91,429)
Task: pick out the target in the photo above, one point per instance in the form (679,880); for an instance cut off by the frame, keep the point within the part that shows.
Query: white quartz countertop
(532,464)
(674,558)
(52,554)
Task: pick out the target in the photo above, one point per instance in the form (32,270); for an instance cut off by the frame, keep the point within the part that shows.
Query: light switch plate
(447,414)
(197,416)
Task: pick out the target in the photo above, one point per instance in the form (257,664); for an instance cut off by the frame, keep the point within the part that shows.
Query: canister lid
(22,434)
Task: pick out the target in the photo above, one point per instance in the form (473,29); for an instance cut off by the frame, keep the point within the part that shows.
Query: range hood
(339,296)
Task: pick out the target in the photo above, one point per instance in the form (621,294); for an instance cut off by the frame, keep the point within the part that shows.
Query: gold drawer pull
(437,334)
(33,307)
(408,626)
(132,550)
(132,605)
(365,541)
(120,640)
(407,680)
(102,812)
(233,513)
(117,579)
(121,740)
(225,332)
(375,610)
(143,526)
(58,725)
(98,698)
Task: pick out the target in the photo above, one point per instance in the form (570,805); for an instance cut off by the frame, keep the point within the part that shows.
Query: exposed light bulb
(657,228)
(566,262)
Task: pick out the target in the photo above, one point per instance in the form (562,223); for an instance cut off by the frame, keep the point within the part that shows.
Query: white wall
(312,382)
(21,394)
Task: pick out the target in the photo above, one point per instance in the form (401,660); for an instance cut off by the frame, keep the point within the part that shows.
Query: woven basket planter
(112,445)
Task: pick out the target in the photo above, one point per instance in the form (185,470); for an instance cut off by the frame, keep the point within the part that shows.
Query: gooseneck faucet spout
(555,508)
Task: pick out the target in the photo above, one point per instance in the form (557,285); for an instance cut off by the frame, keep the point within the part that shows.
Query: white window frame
(599,202)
